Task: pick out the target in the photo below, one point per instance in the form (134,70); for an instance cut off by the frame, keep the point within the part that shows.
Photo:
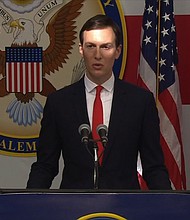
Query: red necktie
(97,118)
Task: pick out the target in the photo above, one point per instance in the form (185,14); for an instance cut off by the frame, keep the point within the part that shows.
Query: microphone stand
(84,130)
(96,173)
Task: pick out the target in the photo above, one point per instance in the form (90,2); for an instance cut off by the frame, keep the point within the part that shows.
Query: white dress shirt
(106,97)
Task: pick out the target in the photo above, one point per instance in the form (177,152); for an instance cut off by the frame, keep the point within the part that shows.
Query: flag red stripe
(171,164)
(141,83)
(15,76)
(21,77)
(39,78)
(170,109)
(9,82)
(27,77)
(32,76)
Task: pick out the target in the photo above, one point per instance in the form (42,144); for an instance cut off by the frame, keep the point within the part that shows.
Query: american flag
(23,69)
(158,73)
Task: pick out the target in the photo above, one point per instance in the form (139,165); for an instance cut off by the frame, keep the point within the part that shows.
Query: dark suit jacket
(133,127)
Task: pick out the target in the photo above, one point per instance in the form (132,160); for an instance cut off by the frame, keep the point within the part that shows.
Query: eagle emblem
(24,64)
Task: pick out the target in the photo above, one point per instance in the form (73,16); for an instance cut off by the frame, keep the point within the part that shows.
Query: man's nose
(98,54)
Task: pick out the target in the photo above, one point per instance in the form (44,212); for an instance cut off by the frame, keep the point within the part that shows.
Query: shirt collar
(90,86)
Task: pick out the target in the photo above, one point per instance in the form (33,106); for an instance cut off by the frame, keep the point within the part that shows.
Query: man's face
(99,52)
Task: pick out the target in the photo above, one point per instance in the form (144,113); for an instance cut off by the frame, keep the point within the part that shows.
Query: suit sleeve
(152,158)
(46,167)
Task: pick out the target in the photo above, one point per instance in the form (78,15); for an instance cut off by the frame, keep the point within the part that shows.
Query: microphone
(102,130)
(84,131)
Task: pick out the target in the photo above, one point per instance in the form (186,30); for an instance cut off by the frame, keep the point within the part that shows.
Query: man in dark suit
(129,113)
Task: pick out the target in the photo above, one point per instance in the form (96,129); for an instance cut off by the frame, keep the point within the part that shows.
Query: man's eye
(107,47)
(90,46)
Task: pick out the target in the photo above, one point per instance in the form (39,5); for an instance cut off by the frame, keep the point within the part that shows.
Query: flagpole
(158,51)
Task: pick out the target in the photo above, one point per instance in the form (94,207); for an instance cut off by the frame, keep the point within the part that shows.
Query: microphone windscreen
(83,127)
(102,127)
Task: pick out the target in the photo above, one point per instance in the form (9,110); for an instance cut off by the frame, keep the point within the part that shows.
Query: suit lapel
(116,115)
(79,103)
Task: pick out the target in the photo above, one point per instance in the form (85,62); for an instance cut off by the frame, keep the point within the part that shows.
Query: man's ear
(119,48)
(80,49)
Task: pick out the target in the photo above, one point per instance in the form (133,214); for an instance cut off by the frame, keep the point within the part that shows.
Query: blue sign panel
(95,206)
